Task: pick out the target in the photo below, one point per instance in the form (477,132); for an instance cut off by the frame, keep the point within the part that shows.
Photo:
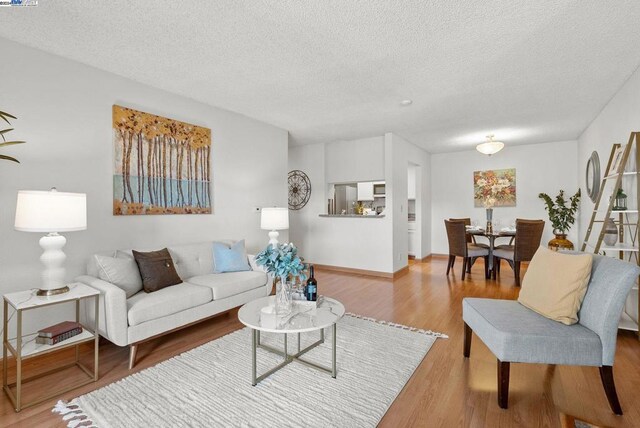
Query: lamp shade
(491,147)
(52,211)
(274,218)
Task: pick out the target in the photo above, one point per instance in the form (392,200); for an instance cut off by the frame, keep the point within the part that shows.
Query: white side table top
(28,299)
(301,319)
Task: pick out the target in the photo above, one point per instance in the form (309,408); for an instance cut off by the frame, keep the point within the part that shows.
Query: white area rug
(210,386)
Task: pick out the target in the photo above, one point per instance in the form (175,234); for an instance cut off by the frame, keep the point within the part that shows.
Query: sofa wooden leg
(606,374)
(133,350)
(467,341)
(503,384)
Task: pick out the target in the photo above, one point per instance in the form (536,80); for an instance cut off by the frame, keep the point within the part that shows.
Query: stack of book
(59,332)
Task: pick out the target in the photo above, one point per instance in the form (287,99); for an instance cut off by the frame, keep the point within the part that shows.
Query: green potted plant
(562,217)
(6,116)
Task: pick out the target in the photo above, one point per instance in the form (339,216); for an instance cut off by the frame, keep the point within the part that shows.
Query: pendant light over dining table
(490,147)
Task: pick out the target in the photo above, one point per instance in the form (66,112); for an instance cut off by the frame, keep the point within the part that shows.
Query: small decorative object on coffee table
(260,316)
(562,218)
(282,262)
(26,346)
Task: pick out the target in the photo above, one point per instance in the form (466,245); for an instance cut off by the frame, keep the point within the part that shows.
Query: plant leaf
(4,131)
(11,143)
(9,158)
(4,116)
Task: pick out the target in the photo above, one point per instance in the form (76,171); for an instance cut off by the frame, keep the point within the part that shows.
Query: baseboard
(401,272)
(354,271)
(435,256)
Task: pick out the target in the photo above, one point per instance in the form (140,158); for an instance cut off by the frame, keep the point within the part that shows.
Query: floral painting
(494,188)
(162,166)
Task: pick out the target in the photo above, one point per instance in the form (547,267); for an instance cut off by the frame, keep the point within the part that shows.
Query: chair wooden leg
(516,272)
(606,374)
(497,265)
(472,260)
(450,263)
(467,341)
(465,260)
(494,271)
(486,267)
(133,350)
(503,384)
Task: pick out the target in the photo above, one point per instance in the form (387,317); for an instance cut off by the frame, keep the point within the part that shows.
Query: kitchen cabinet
(365,191)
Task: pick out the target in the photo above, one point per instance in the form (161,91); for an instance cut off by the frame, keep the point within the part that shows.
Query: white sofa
(130,321)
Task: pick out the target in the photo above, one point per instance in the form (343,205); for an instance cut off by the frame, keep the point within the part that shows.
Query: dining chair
(525,244)
(471,239)
(459,247)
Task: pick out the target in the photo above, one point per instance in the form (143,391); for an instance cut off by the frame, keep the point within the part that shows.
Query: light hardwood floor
(446,389)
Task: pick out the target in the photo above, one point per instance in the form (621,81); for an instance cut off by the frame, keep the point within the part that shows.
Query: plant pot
(283,297)
(610,232)
(560,242)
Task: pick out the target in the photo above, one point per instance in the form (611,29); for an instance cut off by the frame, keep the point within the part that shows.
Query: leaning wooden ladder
(626,250)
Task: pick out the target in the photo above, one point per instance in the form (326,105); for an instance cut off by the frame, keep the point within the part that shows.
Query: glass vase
(283,296)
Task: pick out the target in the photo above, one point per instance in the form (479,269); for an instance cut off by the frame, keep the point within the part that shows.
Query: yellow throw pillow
(555,284)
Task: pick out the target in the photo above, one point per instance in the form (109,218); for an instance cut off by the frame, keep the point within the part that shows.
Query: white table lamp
(274,219)
(51,212)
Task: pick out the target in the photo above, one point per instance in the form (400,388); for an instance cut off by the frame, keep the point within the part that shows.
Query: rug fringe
(73,414)
(400,326)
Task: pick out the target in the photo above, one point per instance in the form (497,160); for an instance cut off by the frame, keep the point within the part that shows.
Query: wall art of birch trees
(162,166)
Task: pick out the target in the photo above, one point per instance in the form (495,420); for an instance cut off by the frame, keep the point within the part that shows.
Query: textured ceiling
(528,71)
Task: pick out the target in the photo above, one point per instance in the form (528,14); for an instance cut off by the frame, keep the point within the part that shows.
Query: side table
(22,349)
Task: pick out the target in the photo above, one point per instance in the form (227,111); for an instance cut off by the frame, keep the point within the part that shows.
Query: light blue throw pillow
(230,259)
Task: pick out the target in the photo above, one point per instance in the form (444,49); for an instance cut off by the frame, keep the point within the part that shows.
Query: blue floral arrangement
(282,261)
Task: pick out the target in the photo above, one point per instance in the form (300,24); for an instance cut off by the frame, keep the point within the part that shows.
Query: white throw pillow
(122,272)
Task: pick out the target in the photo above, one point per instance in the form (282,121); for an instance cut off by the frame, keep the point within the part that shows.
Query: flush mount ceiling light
(406,102)
(490,147)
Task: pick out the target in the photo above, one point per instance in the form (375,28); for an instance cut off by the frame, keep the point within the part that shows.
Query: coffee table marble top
(302,318)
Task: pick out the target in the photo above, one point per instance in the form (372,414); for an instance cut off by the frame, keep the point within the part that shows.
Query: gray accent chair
(516,334)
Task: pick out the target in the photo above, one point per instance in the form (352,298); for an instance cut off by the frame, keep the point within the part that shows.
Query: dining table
(491,236)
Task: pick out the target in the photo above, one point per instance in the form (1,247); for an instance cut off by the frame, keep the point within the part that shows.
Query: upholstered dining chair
(471,239)
(459,247)
(516,334)
(527,241)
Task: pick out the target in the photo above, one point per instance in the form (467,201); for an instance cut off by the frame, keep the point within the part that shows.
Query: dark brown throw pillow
(156,269)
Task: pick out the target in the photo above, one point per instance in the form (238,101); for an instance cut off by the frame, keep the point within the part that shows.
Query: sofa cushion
(156,269)
(555,284)
(144,307)
(519,335)
(122,272)
(229,284)
(230,258)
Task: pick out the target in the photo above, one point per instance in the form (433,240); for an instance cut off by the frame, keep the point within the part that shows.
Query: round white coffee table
(302,319)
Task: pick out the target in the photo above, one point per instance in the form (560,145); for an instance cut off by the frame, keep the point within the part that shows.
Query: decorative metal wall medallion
(299,189)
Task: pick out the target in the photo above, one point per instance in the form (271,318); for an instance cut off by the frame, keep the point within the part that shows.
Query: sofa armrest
(113,310)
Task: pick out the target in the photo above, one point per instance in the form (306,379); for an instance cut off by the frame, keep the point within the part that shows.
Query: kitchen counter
(351,215)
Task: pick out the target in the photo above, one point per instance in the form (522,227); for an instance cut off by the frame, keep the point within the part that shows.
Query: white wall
(64,114)
(359,243)
(402,153)
(355,160)
(614,124)
(546,167)
(375,244)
